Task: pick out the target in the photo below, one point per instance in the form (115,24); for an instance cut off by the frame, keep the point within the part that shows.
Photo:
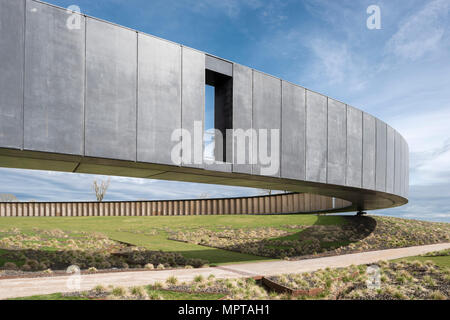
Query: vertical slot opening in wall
(218,116)
(208,134)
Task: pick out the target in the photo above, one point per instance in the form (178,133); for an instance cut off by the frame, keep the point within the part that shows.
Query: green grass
(166,295)
(4,259)
(440,261)
(53,296)
(334,244)
(294,236)
(173,295)
(111,226)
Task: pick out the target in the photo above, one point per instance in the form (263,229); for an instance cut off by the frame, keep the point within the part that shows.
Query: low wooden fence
(272,204)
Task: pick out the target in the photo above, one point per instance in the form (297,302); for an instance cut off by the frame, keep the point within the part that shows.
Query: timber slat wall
(283,203)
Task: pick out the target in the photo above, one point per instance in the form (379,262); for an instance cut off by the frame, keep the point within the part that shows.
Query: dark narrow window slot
(221,111)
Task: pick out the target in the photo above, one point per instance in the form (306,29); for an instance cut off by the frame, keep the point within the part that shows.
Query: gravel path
(11,288)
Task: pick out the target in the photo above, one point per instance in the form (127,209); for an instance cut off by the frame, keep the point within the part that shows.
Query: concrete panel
(159,98)
(390,162)
(354,147)
(398,161)
(316,137)
(337,142)
(381,156)
(111,72)
(406,194)
(293,133)
(242,114)
(37,164)
(266,116)
(404,168)
(54,82)
(12,21)
(116,171)
(221,167)
(219,65)
(369,141)
(193,103)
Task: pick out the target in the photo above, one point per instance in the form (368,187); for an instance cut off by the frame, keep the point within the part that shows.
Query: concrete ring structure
(284,203)
(78,94)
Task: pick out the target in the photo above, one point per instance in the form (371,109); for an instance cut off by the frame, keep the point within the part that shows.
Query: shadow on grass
(321,237)
(318,239)
(355,229)
(40,260)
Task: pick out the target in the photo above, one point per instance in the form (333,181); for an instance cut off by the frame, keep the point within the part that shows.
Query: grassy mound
(152,233)
(37,244)
(357,234)
(46,250)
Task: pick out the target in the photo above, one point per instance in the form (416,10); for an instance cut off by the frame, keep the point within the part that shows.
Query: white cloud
(336,62)
(59,186)
(232,8)
(425,131)
(422,32)
(427,202)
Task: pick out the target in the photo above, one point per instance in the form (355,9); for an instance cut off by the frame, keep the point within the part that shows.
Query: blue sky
(400,73)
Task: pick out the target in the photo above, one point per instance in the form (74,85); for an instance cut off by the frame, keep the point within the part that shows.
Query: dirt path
(11,288)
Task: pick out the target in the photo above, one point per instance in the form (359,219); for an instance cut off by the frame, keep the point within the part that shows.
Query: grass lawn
(164,294)
(135,230)
(173,295)
(441,261)
(53,296)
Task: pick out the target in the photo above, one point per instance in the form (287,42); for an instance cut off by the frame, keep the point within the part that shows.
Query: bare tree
(265,192)
(100,189)
(7,197)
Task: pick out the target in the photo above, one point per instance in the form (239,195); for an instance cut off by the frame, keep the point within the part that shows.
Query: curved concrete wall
(105,99)
(273,204)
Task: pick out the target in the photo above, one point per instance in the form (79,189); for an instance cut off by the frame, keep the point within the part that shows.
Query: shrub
(48,271)
(99,289)
(154,296)
(42,266)
(171,280)
(92,270)
(399,295)
(10,266)
(26,268)
(157,285)
(437,295)
(429,263)
(198,278)
(139,292)
(401,279)
(149,266)
(417,263)
(429,281)
(118,292)
(160,266)
(197,263)
(34,264)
